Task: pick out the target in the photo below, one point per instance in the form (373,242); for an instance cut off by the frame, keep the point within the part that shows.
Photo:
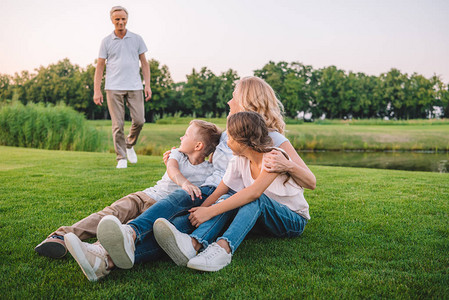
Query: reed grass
(51,127)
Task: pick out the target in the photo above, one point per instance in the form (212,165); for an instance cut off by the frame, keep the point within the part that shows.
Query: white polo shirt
(122,61)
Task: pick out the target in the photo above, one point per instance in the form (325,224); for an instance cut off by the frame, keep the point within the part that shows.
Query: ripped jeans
(277,218)
(173,208)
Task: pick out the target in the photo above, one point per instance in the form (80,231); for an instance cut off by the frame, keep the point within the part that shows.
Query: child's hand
(276,162)
(166,155)
(193,190)
(199,215)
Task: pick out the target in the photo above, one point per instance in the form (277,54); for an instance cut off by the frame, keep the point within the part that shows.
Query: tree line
(327,92)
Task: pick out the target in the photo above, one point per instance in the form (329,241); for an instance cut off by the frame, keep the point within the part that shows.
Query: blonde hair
(209,134)
(254,94)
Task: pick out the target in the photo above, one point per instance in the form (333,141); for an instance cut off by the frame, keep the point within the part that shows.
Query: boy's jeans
(173,208)
(277,218)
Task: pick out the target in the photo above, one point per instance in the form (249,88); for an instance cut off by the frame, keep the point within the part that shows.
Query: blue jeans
(277,218)
(211,229)
(173,208)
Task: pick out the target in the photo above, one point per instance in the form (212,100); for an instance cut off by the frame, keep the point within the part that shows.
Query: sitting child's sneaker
(118,241)
(176,244)
(92,258)
(214,258)
(53,247)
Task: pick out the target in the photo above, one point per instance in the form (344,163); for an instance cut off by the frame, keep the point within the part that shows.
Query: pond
(411,161)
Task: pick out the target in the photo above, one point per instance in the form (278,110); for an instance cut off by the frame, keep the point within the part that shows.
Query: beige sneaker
(118,241)
(92,258)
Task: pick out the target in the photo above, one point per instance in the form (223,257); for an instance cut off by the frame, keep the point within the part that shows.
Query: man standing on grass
(120,52)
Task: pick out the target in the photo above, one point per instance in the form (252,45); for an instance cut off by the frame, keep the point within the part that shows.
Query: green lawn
(373,234)
(335,136)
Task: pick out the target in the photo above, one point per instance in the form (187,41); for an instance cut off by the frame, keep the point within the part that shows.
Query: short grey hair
(118,8)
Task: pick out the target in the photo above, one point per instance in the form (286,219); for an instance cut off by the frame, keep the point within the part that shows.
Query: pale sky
(369,36)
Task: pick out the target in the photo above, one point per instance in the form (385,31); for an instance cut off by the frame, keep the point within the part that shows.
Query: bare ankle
(110,263)
(225,245)
(196,245)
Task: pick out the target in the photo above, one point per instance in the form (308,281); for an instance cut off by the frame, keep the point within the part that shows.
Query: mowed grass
(333,136)
(373,234)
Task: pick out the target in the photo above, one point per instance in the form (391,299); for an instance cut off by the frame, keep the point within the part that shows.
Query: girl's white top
(238,176)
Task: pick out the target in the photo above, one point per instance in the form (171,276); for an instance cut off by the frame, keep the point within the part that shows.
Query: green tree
(227,81)
(200,92)
(393,86)
(21,84)
(83,101)
(56,83)
(6,87)
(420,97)
(291,82)
(161,88)
(330,95)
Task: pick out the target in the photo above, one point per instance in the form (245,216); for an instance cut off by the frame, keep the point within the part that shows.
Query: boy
(186,168)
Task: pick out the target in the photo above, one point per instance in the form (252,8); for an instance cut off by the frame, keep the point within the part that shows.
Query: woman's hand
(192,190)
(199,215)
(276,162)
(166,155)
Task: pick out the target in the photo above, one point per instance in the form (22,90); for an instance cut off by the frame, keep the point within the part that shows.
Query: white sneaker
(214,258)
(122,164)
(92,258)
(131,154)
(176,244)
(118,241)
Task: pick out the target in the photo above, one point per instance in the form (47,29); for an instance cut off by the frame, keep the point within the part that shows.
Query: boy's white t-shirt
(196,174)
(238,176)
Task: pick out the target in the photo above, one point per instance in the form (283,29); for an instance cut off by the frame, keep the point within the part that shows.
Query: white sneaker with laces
(122,164)
(214,258)
(176,244)
(131,154)
(118,241)
(92,258)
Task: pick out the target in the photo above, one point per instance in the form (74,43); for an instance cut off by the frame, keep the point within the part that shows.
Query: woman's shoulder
(277,138)
(280,150)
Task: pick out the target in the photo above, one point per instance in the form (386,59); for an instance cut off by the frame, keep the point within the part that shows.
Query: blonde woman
(254,94)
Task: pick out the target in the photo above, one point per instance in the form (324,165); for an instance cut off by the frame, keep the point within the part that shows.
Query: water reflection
(411,161)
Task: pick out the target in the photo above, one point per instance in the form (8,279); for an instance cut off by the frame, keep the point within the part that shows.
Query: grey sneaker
(53,247)
(92,258)
(214,258)
(118,241)
(176,244)
(131,155)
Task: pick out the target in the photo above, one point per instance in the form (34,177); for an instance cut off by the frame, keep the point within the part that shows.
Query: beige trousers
(125,209)
(116,105)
